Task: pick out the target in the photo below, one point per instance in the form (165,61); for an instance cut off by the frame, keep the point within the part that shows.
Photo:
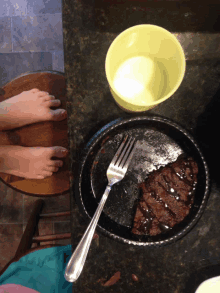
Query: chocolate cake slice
(167,196)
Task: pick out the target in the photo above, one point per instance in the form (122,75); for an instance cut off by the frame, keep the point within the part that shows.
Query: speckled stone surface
(89,28)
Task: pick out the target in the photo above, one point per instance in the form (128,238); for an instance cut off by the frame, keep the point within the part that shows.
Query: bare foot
(33,162)
(29,107)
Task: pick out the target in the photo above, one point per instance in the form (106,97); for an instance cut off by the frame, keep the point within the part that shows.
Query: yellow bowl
(144,66)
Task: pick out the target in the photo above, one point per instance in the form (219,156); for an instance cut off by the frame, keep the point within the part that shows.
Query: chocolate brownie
(167,196)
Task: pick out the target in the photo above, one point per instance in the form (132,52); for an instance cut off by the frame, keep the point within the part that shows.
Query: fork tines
(125,152)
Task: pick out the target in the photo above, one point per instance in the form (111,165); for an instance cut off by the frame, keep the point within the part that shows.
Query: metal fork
(115,173)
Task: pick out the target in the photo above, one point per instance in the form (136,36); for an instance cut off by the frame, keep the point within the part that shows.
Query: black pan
(160,142)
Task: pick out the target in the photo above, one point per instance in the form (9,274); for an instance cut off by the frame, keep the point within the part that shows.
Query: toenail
(63,111)
(64,151)
(51,96)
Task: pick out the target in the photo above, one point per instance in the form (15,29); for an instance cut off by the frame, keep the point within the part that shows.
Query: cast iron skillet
(160,142)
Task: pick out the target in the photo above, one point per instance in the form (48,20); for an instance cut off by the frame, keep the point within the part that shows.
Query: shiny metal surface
(115,173)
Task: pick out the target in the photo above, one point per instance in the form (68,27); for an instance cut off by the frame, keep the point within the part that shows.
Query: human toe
(58,151)
(58,115)
(46,173)
(35,90)
(52,168)
(52,103)
(56,163)
(42,94)
(48,97)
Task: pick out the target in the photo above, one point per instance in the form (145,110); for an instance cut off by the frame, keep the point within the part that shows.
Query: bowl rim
(127,31)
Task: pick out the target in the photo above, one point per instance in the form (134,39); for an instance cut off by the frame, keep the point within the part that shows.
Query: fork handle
(77,260)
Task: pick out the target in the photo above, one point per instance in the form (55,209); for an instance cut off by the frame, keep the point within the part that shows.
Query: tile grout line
(48,51)
(12,47)
(32,15)
(53,59)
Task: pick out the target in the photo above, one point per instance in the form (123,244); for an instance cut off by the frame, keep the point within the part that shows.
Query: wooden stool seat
(43,134)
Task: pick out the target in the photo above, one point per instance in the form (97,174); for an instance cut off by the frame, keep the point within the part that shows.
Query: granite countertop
(89,28)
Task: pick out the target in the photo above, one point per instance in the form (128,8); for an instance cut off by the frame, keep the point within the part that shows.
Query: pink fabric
(12,288)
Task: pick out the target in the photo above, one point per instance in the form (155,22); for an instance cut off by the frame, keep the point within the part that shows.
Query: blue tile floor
(31,38)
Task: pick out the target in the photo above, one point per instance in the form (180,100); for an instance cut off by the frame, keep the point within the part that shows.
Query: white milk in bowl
(140,80)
